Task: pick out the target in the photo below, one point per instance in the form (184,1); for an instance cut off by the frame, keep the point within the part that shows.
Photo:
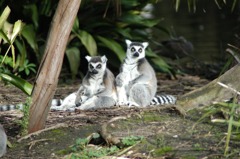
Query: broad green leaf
(75,25)
(177,3)
(4,16)
(4,37)
(114,46)
(73,55)
(20,83)
(134,19)
(23,52)
(29,34)
(233,5)
(125,32)
(88,41)
(33,11)
(16,30)
(158,61)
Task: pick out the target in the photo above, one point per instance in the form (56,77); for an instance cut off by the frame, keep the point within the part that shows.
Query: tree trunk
(213,92)
(51,64)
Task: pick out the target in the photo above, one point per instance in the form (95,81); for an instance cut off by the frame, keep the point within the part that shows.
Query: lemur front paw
(120,103)
(132,104)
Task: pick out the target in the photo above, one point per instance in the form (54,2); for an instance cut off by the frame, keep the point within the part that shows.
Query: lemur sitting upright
(97,89)
(136,83)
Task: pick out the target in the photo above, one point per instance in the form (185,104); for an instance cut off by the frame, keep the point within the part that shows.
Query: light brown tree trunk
(213,92)
(51,63)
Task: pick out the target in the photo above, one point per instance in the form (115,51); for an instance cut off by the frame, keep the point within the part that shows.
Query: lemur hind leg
(140,94)
(97,102)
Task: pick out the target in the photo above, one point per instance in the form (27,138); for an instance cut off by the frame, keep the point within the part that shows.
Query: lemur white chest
(95,85)
(129,72)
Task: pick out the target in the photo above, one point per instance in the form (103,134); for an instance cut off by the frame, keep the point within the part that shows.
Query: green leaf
(114,46)
(16,30)
(20,83)
(29,34)
(125,32)
(88,41)
(4,37)
(135,19)
(177,4)
(23,52)
(76,25)
(233,5)
(13,55)
(158,61)
(73,55)
(32,10)
(4,16)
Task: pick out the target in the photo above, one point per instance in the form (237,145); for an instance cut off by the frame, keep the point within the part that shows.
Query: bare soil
(167,131)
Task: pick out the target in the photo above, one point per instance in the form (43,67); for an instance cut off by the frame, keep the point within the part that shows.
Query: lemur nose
(136,54)
(94,71)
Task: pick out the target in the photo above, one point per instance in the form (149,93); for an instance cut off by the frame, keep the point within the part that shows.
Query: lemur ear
(128,42)
(145,44)
(104,59)
(88,58)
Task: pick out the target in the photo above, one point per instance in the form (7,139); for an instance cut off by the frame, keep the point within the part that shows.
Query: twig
(127,149)
(32,143)
(228,87)
(43,130)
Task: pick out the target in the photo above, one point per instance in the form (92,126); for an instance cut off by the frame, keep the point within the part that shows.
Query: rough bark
(51,64)
(212,92)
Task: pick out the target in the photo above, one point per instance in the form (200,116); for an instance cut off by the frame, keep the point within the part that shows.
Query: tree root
(43,130)
(109,138)
(214,91)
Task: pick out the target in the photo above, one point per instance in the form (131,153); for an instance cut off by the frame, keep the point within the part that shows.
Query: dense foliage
(101,28)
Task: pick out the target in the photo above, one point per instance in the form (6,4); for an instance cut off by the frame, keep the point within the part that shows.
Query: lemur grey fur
(136,83)
(3,141)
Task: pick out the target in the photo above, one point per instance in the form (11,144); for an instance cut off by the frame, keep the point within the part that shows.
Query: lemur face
(96,64)
(136,50)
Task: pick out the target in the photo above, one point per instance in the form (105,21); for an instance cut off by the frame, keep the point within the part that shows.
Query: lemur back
(3,141)
(136,83)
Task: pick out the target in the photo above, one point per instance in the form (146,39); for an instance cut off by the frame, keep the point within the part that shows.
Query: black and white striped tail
(11,107)
(163,99)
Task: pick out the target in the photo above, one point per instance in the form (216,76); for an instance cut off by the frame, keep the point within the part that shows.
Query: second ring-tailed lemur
(3,141)
(136,83)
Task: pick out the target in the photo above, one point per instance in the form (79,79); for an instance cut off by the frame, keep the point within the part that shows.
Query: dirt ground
(167,133)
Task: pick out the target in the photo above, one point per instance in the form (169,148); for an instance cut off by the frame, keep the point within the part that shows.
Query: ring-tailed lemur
(136,83)
(3,141)
(97,89)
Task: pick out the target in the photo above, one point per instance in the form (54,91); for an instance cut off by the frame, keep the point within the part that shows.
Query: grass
(24,121)
(84,150)
(230,119)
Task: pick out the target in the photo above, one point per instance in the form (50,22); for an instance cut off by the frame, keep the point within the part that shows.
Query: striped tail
(163,99)
(11,107)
